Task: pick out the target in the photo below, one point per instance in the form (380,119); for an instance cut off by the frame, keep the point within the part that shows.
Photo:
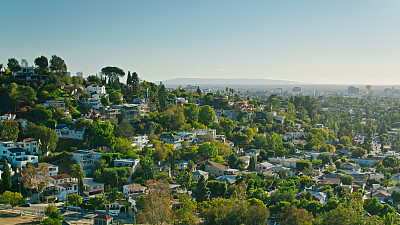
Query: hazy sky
(348,41)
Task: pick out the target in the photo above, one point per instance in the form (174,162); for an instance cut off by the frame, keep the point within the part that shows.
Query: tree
(358,152)
(36,178)
(252,164)
(396,196)
(112,194)
(13,65)
(198,91)
(186,212)
(104,101)
(12,198)
(129,78)
(5,177)
(206,115)
(135,83)
(290,215)
(162,98)
(94,80)
(9,130)
(157,208)
(78,173)
(191,112)
(112,72)
(58,65)
(53,213)
(48,138)
(326,158)
(42,62)
(97,202)
(303,165)
(346,179)
(390,161)
(74,200)
(201,192)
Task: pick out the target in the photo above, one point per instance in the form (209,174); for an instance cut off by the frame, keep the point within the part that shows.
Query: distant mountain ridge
(218,81)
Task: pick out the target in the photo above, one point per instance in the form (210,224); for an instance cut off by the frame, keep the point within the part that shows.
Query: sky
(313,41)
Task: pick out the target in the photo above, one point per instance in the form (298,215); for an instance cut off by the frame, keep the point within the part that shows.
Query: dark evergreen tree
(162,98)
(5,177)
(198,91)
(201,191)
(129,78)
(252,164)
(135,83)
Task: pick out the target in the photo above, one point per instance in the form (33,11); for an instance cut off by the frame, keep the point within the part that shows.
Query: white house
(66,131)
(55,103)
(53,169)
(263,167)
(197,174)
(86,158)
(96,89)
(133,190)
(8,117)
(132,163)
(30,145)
(181,164)
(140,141)
(16,155)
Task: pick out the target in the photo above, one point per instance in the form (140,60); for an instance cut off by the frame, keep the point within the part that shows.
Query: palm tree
(78,173)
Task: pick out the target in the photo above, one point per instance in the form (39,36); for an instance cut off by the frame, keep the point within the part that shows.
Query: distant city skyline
(313,42)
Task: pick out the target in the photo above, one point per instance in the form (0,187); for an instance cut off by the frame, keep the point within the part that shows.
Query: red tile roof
(60,176)
(103,217)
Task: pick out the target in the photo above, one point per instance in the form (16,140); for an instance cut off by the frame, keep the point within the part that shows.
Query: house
(64,185)
(86,158)
(96,89)
(263,167)
(140,141)
(111,113)
(181,164)
(65,189)
(349,167)
(163,167)
(132,111)
(228,179)
(214,168)
(133,190)
(16,155)
(286,162)
(24,122)
(30,145)
(187,136)
(212,132)
(381,195)
(246,160)
(103,219)
(59,179)
(53,170)
(279,118)
(55,103)
(68,131)
(252,152)
(198,173)
(131,163)
(91,187)
(172,139)
(8,117)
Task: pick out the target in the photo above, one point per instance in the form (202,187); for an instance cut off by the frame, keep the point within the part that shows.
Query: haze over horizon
(313,42)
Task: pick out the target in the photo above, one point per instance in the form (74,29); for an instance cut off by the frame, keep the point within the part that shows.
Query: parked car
(26,204)
(113,214)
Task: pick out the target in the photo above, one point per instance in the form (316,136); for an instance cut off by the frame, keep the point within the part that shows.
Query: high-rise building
(296,90)
(353,90)
(368,90)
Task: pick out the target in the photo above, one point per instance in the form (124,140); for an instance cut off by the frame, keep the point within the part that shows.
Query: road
(69,215)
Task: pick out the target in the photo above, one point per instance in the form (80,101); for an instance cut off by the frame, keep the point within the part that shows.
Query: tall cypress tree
(201,191)
(135,82)
(129,78)
(162,98)
(5,177)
